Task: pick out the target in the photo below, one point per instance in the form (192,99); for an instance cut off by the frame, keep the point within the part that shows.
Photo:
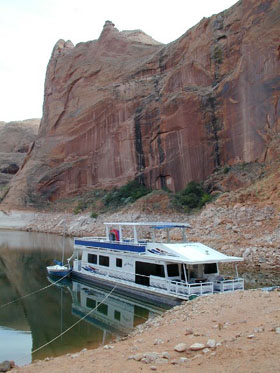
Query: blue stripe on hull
(111,246)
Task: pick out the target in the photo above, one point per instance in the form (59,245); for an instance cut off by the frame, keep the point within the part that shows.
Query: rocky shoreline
(251,232)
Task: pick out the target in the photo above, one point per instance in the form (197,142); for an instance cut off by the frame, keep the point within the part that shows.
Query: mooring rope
(34,292)
(70,327)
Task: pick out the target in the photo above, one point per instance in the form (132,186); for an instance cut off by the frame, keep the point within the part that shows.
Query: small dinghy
(58,269)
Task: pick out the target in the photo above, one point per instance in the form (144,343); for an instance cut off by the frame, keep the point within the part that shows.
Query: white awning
(194,253)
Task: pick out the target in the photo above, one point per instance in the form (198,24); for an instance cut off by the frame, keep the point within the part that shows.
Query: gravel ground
(237,332)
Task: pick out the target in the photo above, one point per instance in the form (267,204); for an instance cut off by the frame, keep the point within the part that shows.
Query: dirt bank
(218,333)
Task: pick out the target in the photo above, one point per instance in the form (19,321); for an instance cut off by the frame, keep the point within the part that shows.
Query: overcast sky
(30,28)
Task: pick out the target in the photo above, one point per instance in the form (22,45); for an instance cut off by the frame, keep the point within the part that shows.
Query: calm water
(33,321)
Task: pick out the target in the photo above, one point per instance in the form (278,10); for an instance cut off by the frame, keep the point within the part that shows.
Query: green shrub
(125,194)
(81,205)
(193,196)
(94,215)
(218,54)
(205,199)
(76,210)
(226,169)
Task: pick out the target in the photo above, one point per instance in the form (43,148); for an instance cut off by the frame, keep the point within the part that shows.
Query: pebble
(165,355)
(73,356)
(251,336)
(197,347)
(211,343)
(144,360)
(137,357)
(161,360)
(188,331)
(259,330)
(153,367)
(181,347)
(6,365)
(158,341)
(183,359)
(151,356)
(108,347)
(277,330)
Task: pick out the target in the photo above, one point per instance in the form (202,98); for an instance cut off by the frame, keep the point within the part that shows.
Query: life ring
(114,235)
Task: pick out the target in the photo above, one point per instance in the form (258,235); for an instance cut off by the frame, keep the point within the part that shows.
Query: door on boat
(142,273)
(144,270)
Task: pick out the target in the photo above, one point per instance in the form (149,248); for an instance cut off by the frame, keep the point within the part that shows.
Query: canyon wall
(126,106)
(15,140)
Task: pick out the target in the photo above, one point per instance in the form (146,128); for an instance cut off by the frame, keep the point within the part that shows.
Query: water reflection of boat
(116,314)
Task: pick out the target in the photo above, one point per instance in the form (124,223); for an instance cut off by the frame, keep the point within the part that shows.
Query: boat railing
(166,285)
(231,284)
(181,287)
(91,238)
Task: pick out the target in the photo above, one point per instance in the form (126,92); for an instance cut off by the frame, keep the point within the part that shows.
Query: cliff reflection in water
(43,316)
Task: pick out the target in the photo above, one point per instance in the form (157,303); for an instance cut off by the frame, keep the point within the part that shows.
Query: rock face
(125,106)
(15,141)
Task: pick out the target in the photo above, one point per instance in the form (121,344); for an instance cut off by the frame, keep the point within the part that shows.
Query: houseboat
(162,267)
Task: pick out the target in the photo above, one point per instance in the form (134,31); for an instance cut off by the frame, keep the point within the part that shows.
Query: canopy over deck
(196,253)
(151,225)
(155,225)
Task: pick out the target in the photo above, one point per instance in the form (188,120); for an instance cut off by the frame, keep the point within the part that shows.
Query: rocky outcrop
(15,141)
(125,106)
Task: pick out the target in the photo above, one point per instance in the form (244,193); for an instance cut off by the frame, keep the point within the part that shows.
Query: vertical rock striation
(126,106)
(16,139)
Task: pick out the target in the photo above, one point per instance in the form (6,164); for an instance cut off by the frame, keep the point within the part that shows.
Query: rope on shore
(72,326)
(34,292)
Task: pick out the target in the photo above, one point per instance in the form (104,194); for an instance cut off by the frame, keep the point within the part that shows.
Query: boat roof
(191,253)
(155,225)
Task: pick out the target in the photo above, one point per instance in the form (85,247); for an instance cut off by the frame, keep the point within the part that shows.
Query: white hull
(130,289)
(165,270)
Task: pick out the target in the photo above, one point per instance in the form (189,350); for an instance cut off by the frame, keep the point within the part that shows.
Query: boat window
(103,260)
(147,269)
(103,308)
(91,303)
(117,315)
(172,270)
(118,262)
(92,258)
(210,268)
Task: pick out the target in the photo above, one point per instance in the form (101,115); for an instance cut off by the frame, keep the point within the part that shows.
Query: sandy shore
(237,332)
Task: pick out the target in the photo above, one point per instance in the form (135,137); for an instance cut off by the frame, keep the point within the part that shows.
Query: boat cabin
(162,261)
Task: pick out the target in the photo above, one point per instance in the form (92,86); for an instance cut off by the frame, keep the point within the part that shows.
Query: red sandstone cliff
(15,140)
(124,105)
